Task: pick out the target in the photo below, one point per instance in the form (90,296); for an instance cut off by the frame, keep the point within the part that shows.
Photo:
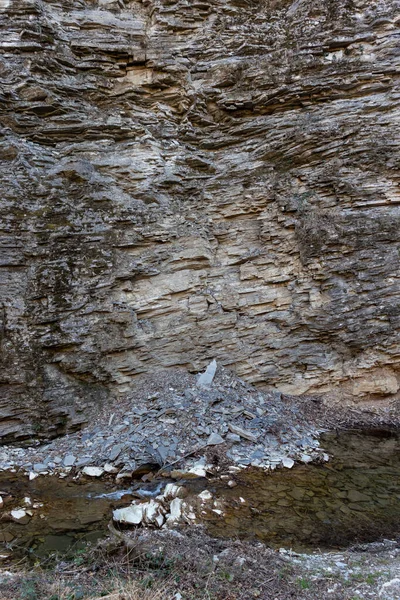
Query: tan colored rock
(176,191)
(381,384)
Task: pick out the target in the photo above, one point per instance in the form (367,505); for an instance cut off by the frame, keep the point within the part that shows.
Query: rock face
(188,180)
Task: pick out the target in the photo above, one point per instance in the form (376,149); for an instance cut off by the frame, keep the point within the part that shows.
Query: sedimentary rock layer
(188,180)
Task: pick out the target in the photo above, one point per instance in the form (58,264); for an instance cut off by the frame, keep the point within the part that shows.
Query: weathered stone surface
(215,439)
(93,471)
(183,181)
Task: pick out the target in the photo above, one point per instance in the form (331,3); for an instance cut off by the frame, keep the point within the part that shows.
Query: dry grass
(133,591)
(186,564)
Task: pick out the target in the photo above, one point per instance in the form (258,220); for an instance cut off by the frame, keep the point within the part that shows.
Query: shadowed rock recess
(196,179)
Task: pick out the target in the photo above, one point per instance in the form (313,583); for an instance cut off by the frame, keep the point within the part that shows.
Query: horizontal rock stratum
(184,180)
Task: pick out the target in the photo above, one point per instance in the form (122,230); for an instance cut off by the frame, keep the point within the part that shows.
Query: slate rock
(215,439)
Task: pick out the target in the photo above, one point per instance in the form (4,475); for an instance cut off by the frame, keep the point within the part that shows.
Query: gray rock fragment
(215,439)
(115,452)
(252,437)
(233,437)
(69,460)
(38,467)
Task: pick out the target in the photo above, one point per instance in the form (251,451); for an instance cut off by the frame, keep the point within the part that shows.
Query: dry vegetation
(189,565)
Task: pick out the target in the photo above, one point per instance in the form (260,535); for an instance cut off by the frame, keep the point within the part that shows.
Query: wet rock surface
(349,501)
(185,181)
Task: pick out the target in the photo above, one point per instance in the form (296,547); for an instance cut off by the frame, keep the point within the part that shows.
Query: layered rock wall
(195,179)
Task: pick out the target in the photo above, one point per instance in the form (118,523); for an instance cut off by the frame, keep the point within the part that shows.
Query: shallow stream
(355,497)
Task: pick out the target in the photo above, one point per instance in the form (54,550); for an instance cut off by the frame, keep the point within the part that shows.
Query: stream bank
(306,480)
(353,498)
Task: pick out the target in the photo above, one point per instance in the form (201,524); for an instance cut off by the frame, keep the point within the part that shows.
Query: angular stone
(175,511)
(115,452)
(19,515)
(205,379)
(252,437)
(215,439)
(93,471)
(39,467)
(356,496)
(132,515)
(152,513)
(233,437)
(69,460)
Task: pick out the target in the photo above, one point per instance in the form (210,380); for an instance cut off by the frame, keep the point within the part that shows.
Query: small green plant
(226,576)
(371,578)
(28,590)
(304,583)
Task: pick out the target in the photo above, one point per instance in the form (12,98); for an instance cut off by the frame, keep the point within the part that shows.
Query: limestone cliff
(193,179)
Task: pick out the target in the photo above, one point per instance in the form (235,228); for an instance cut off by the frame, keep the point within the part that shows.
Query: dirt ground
(187,564)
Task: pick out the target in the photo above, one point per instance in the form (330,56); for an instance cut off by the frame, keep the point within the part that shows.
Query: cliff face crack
(198,179)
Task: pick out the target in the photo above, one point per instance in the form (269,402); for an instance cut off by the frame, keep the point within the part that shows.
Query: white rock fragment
(305,458)
(198,469)
(19,515)
(124,475)
(233,469)
(287,462)
(93,471)
(171,491)
(205,495)
(152,513)
(132,515)
(206,378)
(109,468)
(175,510)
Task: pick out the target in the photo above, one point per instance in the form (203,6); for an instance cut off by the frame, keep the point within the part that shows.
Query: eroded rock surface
(189,180)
